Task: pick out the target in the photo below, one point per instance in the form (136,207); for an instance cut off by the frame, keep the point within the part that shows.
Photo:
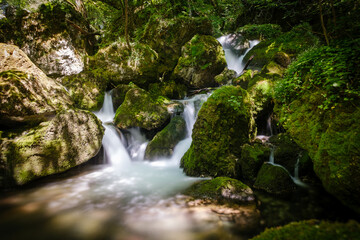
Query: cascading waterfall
(235,61)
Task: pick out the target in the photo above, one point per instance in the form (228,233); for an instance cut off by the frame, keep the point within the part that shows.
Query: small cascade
(115,152)
(233,58)
(295,178)
(137,144)
(269,128)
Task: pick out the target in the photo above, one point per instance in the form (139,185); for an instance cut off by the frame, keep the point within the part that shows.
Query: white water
(234,61)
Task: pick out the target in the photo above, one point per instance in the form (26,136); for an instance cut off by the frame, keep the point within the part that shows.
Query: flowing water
(234,59)
(128,198)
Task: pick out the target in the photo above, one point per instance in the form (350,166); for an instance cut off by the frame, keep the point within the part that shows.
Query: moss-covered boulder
(119,93)
(272,68)
(169,88)
(312,229)
(140,109)
(27,94)
(223,125)
(167,36)
(225,76)
(286,151)
(202,58)
(290,43)
(121,65)
(252,158)
(86,90)
(220,189)
(164,142)
(71,138)
(332,139)
(274,179)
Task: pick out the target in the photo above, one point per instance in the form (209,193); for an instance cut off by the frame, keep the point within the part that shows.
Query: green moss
(332,140)
(224,124)
(252,158)
(274,179)
(140,109)
(170,89)
(164,142)
(221,188)
(313,229)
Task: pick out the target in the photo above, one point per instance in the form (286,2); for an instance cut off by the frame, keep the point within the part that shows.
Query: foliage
(262,32)
(333,69)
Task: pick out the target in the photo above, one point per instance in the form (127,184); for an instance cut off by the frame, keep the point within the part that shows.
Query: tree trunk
(323,24)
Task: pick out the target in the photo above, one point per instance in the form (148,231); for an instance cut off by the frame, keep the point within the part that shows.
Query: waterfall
(233,59)
(115,152)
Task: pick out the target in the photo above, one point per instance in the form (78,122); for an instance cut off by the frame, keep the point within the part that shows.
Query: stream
(127,197)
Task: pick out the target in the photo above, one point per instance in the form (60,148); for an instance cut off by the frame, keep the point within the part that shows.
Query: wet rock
(164,142)
(224,123)
(283,59)
(202,58)
(71,138)
(315,229)
(140,109)
(119,93)
(274,179)
(27,93)
(225,76)
(252,158)
(221,189)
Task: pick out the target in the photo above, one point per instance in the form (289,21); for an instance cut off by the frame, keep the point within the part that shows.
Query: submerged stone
(164,142)
(224,124)
(69,139)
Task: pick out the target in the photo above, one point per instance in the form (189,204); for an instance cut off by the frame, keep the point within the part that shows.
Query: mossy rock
(252,158)
(167,36)
(28,95)
(274,179)
(170,89)
(121,65)
(71,138)
(224,124)
(272,68)
(313,229)
(202,58)
(86,90)
(332,140)
(262,94)
(164,142)
(119,93)
(291,43)
(286,152)
(221,189)
(244,80)
(225,76)
(283,59)
(140,109)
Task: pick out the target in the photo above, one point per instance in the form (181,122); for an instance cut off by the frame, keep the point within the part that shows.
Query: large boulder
(223,125)
(56,36)
(167,36)
(164,142)
(140,109)
(221,189)
(332,139)
(121,65)
(27,93)
(86,90)
(313,229)
(202,58)
(274,179)
(71,138)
